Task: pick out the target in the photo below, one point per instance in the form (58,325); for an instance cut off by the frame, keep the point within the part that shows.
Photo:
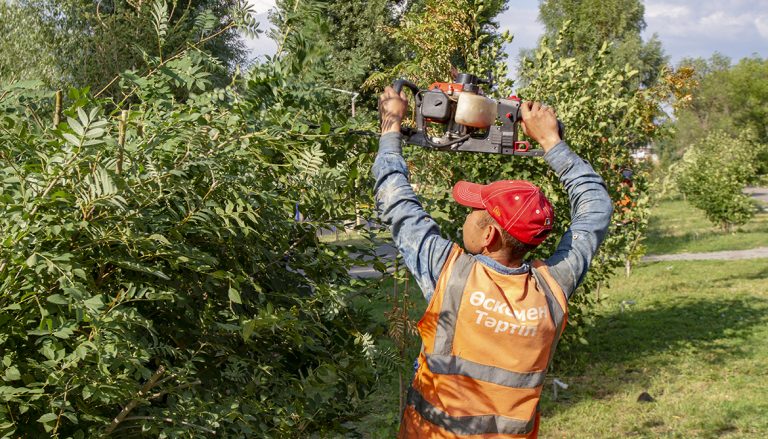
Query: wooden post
(57,109)
(121,139)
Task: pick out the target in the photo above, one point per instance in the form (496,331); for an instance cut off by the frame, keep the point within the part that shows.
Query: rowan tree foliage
(87,43)
(349,38)
(713,173)
(154,280)
(591,23)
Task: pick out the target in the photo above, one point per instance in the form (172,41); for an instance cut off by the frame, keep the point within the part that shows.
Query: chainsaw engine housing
(436,106)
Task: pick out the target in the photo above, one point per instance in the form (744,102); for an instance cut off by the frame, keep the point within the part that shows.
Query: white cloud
(722,20)
(698,28)
(262,6)
(665,10)
(761,23)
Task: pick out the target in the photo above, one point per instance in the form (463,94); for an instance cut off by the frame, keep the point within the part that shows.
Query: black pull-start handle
(398,86)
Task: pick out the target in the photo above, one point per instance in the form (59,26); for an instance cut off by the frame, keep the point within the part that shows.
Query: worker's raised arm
(591,207)
(415,233)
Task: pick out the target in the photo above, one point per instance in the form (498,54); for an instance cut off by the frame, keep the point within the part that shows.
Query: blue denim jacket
(424,251)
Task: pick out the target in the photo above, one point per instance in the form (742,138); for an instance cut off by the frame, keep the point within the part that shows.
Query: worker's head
(513,216)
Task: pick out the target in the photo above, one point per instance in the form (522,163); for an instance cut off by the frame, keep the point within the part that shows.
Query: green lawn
(677,227)
(694,339)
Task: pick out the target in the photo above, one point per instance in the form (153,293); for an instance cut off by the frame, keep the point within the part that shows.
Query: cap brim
(468,194)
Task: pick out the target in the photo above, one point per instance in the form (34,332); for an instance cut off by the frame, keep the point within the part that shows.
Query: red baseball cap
(518,206)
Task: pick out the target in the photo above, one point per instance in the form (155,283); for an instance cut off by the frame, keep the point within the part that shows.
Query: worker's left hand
(392,108)
(540,124)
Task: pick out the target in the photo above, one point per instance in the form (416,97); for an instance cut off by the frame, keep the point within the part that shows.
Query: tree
(712,176)
(25,32)
(618,23)
(349,40)
(439,37)
(153,280)
(88,43)
(730,99)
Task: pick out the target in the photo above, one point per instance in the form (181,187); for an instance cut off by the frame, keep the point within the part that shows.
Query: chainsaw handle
(398,86)
(408,132)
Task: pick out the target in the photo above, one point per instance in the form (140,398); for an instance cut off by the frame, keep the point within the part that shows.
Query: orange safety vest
(488,339)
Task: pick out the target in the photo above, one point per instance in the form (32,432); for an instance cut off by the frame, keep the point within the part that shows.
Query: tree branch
(131,405)
(178,55)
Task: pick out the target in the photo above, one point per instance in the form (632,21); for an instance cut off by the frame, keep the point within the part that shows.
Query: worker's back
(488,340)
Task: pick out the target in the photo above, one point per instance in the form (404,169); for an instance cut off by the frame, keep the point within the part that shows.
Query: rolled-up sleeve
(416,235)
(591,210)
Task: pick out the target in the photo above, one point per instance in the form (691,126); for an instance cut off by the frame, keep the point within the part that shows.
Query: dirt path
(755,253)
(758,193)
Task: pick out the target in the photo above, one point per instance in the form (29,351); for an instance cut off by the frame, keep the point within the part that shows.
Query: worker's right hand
(540,124)
(392,108)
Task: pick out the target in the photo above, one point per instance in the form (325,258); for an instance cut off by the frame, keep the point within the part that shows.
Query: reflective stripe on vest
(467,425)
(442,361)
(451,365)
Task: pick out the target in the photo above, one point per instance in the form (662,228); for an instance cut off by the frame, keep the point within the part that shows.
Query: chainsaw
(466,119)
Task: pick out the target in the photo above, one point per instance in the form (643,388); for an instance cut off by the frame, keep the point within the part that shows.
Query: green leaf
(58,299)
(95,133)
(31,260)
(12,374)
(95,303)
(160,238)
(76,127)
(48,417)
(71,138)
(234,295)
(87,391)
(248,328)
(131,265)
(81,114)
(63,333)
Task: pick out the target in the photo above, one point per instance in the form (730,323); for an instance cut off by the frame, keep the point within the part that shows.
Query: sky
(686,28)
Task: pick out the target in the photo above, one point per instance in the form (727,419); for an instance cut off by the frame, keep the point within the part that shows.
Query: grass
(677,227)
(694,339)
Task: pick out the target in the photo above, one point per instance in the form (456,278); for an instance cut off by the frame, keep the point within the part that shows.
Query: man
(493,320)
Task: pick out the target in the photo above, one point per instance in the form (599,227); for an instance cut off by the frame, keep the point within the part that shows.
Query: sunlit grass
(677,227)
(692,335)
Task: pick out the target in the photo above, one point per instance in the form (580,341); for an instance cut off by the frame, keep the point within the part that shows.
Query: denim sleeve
(415,233)
(591,210)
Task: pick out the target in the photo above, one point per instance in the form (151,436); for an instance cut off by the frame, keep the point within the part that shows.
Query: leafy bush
(713,173)
(151,268)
